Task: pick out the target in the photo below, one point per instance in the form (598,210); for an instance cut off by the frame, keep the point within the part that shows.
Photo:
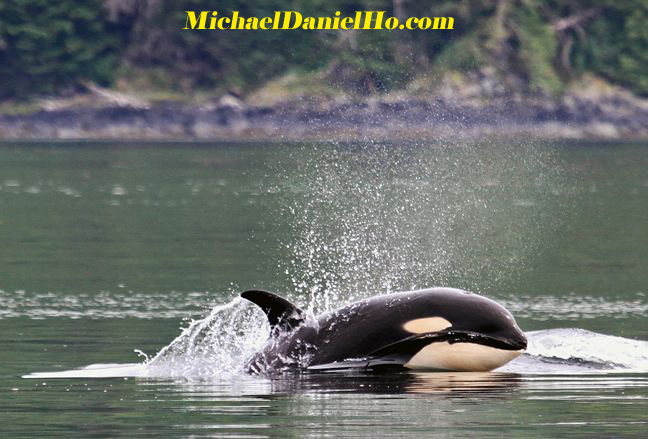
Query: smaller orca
(436,329)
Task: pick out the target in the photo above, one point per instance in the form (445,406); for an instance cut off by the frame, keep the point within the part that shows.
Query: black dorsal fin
(281,313)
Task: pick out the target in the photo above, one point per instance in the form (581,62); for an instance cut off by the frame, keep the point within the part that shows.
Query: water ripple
(173,304)
(575,307)
(104,304)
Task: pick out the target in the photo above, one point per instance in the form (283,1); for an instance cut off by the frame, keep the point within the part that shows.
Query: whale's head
(489,322)
(465,331)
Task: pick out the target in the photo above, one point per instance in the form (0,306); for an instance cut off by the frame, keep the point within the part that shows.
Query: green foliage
(541,44)
(46,46)
(536,49)
(464,54)
(212,58)
(618,45)
(368,64)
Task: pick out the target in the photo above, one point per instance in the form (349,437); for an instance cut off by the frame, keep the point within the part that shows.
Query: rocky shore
(587,112)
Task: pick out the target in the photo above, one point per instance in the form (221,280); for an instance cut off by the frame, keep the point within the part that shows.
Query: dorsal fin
(281,313)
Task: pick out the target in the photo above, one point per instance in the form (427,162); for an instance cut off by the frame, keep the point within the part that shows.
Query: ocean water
(121,265)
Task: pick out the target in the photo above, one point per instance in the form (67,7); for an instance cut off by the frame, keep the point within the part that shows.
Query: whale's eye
(488,328)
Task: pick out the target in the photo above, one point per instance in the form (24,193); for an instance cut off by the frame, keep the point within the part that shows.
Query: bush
(618,46)
(48,46)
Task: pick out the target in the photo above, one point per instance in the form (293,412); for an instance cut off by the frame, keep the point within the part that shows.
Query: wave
(574,350)
(217,347)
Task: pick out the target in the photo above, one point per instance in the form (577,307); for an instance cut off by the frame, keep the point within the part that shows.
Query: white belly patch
(460,356)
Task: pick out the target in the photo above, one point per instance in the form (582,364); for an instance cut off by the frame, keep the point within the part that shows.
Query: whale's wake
(558,351)
(217,347)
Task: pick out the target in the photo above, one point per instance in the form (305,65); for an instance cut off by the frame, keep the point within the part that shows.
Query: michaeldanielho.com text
(294,20)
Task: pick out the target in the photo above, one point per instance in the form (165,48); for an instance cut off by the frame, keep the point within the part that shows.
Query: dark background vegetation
(532,46)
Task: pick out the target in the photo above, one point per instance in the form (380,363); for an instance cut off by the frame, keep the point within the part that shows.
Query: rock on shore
(582,113)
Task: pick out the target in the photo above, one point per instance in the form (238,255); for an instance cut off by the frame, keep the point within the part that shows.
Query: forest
(532,46)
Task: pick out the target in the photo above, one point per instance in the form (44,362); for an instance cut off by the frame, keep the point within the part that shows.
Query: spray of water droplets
(215,346)
(369,218)
(376,218)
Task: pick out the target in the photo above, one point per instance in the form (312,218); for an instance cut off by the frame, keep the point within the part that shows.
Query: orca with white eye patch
(436,328)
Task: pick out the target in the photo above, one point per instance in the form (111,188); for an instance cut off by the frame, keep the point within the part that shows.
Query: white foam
(216,347)
(95,371)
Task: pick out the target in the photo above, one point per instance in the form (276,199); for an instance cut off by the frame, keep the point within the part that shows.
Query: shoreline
(589,118)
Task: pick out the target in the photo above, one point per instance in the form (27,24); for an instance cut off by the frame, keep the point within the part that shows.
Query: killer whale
(435,328)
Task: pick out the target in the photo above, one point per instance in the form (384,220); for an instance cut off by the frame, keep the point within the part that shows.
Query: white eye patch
(426,324)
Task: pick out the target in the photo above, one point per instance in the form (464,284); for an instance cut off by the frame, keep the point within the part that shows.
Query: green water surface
(106,248)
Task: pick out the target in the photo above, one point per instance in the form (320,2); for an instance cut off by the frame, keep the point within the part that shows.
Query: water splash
(376,218)
(203,352)
(571,350)
(216,346)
